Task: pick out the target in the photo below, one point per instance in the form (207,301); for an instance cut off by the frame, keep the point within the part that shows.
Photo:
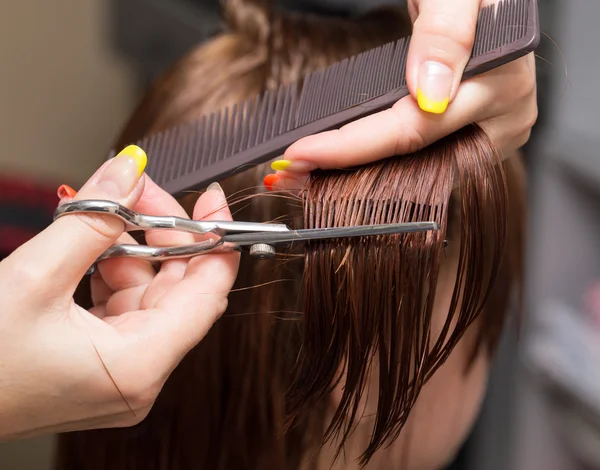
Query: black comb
(191,155)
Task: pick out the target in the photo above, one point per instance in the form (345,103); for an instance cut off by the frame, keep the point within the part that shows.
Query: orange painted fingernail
(65,191)
(270,180)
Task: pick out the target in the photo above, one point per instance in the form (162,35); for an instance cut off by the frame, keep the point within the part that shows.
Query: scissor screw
(262,251)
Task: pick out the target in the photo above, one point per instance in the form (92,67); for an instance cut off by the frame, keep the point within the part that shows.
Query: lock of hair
(191,155)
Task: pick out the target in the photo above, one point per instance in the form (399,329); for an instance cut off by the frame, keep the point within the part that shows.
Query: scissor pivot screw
(262,251)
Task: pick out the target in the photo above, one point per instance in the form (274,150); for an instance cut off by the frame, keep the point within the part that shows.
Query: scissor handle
(136,221)
(151,253)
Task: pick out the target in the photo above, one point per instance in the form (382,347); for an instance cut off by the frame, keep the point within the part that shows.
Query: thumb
(440,48)
(71,244)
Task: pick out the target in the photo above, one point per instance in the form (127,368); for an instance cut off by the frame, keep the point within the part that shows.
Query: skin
(142,324)
(503,101)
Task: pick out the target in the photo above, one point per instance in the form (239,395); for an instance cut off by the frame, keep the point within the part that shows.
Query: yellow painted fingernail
(281,165)
(299,166)
(137,154)
(431,106)
(435,86)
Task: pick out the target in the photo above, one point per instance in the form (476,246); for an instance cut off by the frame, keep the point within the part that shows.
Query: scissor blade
(246,239)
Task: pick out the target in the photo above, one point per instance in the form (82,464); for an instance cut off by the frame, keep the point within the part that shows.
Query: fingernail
(435,85)
(214,187)
(65,191)
(270,181)
(290,181)
(122,174)
(293,165)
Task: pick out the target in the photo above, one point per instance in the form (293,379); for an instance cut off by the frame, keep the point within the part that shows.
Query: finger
(119,284)
(125,280)
(68,247)
(124,273)
(405,128)
(402,129)
(512,131)
(441,45)
(285,181)
(100,294)
(156,201)
(200,298)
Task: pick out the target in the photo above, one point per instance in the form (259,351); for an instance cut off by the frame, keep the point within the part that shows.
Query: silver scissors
(260,239)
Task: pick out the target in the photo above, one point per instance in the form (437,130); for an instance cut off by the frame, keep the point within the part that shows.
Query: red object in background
(26,208)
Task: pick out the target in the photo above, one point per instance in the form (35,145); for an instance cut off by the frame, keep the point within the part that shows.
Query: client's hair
(254,394)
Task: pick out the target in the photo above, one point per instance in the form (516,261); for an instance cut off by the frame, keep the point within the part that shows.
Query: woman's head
(259,50)
(360,341)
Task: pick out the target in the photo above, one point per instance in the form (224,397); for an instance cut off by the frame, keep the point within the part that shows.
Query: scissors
(259,239)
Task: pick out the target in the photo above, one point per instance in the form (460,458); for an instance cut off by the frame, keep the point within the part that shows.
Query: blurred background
(72,71)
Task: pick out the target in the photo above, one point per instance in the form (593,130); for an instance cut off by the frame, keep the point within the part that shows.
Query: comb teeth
(191,155)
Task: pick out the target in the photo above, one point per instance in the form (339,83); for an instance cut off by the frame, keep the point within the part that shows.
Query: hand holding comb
(191,155)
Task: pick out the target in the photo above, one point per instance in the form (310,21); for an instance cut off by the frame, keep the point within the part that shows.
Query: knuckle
(525,118)
(523,139)
(221,305)
(525,84)
(526,89)
(409,138)
(532,117)
(413,140)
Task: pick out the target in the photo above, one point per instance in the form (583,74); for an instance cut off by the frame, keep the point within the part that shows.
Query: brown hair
(254,393)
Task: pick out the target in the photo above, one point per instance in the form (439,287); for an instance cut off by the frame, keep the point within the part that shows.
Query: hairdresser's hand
(502,101)
(64,368)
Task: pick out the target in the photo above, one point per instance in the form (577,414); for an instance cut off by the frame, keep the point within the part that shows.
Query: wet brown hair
(254,393)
